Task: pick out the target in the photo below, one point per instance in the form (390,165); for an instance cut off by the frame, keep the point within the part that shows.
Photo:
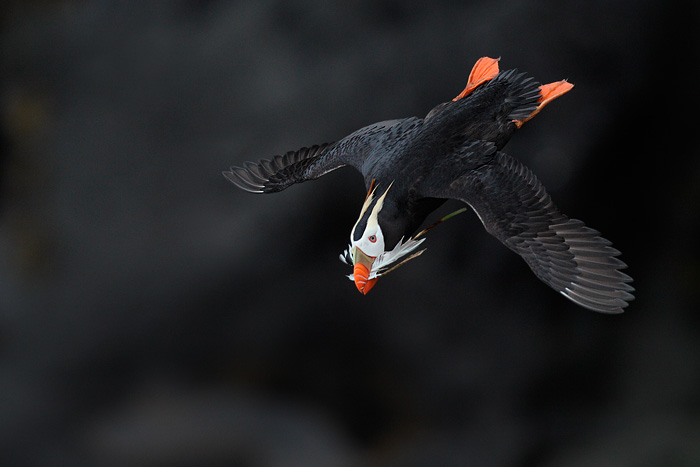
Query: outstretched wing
(276,174)
(565,254)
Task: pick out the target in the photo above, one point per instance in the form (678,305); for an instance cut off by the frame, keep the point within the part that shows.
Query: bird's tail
(523,94)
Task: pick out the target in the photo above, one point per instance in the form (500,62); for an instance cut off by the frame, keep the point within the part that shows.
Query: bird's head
(367,240)
(367,250)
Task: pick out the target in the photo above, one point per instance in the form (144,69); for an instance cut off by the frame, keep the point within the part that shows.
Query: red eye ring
(372,238)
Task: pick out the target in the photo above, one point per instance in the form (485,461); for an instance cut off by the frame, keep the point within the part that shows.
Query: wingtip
(233,175)
(598,303)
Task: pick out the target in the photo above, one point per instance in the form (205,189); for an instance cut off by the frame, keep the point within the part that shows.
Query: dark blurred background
(154,315)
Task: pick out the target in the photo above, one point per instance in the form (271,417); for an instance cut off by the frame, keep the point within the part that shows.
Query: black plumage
(454,153)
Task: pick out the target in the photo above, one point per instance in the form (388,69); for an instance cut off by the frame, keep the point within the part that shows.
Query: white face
(371,243)
(371,238)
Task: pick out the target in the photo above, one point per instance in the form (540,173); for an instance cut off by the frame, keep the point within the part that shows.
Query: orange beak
(362,282)
(363,264)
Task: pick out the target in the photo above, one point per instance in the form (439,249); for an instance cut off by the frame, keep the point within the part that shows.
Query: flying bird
(411,166)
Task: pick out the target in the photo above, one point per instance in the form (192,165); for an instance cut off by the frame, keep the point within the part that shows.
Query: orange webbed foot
(551,91)
(485,69)
(548,92)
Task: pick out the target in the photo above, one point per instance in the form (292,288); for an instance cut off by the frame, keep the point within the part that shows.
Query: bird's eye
(372,238)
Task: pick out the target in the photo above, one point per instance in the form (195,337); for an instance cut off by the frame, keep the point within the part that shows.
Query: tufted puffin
(413,165)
